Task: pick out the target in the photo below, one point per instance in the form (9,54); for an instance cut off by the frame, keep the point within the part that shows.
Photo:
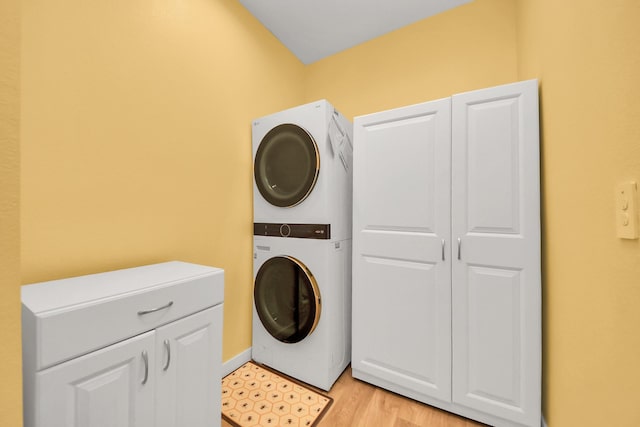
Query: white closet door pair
(446,279)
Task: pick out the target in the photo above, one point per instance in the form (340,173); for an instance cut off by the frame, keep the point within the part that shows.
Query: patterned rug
(254,395)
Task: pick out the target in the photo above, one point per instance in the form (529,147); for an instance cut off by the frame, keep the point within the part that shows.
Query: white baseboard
(235,362)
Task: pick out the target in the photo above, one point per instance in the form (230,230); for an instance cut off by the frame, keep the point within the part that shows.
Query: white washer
(302,307)
(303,168)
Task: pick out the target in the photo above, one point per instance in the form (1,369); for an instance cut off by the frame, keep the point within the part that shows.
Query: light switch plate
(626,210)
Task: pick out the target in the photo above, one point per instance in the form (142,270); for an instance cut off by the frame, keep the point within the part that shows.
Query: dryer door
(286,166)
(287,299)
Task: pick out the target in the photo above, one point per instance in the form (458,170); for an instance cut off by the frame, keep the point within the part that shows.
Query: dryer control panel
(304,231)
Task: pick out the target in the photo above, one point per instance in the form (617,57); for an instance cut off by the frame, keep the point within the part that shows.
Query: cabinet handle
(153,310)
(168,347)
(145,359)
(459,245)
(443,249)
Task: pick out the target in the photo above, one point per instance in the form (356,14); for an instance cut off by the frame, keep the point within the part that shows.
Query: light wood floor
(359,404)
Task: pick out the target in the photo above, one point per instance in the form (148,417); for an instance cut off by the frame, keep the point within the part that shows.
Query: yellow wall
(466,48)
(10,363)
(135,148)
(587,56)
(136,137)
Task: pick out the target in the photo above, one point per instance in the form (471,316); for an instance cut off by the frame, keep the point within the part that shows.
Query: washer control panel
(303,231)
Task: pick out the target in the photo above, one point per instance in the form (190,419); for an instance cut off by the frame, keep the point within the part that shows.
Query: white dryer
(302,307)
(303,168)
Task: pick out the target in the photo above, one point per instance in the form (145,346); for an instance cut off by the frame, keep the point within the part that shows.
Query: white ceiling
(314,29)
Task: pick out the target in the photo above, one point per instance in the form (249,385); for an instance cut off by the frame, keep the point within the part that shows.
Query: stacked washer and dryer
(302,196)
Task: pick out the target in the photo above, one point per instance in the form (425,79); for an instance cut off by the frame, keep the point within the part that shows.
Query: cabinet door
(107,388)
(189,371)
(496,269)
(401,270)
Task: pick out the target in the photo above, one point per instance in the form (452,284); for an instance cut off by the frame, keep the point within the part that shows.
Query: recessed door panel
(495,318)
(496,252)
(93,397)
(493,196)
(400,296)
(401,267)
(396,179)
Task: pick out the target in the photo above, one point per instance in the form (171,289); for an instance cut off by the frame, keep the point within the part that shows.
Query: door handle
(145,359)
(443,249)
(459,246)
(167,346)
(153,310)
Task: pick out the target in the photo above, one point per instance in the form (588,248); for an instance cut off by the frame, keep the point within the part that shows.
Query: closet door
(496,264)
(401,267)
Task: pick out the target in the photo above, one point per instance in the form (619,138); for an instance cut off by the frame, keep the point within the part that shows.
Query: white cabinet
(446,253)
(135,347)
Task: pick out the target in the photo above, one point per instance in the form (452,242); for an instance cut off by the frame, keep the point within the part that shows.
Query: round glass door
(287,299)
(287,165)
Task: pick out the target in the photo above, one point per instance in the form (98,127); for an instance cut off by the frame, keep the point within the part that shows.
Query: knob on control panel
(285,230)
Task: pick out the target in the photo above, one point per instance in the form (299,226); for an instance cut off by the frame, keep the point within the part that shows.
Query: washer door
(287,299)
(287,165)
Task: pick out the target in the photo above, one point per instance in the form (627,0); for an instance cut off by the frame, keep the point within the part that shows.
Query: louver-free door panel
(189,356)
(113,386)
(401,267)
(496,251)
